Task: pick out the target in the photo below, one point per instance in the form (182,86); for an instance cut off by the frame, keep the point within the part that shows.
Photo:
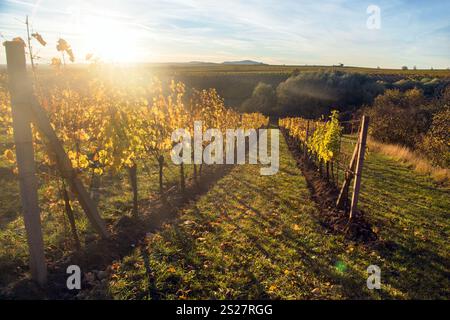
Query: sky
(298,32)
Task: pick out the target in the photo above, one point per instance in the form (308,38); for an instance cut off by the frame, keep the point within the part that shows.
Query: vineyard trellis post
(305,145)
(20,90)
(354,170)
(348,175)
(359,164)
(40,119)
(26,110)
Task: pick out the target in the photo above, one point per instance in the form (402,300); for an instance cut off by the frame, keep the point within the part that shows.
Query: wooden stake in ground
(359,164)
(40,119)
(343,194)
(71,217)
(132,172)
(20,90)
(161,164)
(305,143)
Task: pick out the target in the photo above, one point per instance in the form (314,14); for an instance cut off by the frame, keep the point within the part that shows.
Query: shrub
(263,100)
(429,86)
(399,117)
(436,143)
(410,158)
(312,94)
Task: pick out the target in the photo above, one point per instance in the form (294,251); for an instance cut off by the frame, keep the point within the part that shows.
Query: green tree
(263,100)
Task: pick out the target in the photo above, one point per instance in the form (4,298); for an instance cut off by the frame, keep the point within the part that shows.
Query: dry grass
(408,157)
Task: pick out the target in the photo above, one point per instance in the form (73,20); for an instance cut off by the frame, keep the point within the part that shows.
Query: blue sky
(280,32)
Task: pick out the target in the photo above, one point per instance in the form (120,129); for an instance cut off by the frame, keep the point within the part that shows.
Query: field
(213,68)
(236,83)
(264,240)
(209,69)
(224,233)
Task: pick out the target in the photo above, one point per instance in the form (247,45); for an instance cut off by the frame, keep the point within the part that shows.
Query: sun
(109,40)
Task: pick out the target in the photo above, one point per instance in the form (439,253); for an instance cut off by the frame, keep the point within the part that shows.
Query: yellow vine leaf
(9,155)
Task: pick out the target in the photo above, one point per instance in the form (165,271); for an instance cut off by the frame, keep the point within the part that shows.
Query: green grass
(256,237)
(412,214)
(186,69)
(250,237)
(211,69)
(115,201)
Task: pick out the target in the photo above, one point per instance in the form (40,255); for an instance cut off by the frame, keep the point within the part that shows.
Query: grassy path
(255,236)
(250,237)
(412,215)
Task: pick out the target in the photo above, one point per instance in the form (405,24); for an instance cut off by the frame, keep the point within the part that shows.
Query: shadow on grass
(412,214)
(254,237)
(126,233)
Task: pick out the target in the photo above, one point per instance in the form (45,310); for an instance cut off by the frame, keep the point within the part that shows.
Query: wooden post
(359,164)
(343,194)
(71,217)
(338,161)
(132,171)
(161,164)
(20,90)
(182,181)
(40,119)
(305,144)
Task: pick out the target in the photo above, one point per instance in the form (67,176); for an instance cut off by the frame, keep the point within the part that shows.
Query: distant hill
(243,62)
(200,63)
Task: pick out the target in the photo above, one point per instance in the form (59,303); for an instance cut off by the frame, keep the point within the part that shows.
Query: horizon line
(227,63)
